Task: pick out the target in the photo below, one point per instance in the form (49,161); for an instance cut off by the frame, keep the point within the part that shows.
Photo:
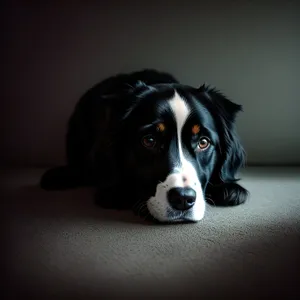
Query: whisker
(142,209)
(136,204)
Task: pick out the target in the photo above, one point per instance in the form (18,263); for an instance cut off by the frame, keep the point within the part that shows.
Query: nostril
(190,200)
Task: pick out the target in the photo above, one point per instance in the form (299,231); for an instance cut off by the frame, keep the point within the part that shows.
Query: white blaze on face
(183,175)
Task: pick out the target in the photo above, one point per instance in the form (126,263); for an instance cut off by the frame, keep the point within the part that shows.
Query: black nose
(182,198)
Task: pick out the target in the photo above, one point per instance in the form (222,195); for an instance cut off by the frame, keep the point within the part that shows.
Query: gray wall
(53,53)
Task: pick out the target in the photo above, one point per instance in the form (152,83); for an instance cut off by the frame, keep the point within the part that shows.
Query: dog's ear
(227,109)
(223,188)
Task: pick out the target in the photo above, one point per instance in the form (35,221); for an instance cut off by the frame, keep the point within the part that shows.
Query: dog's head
(177,143)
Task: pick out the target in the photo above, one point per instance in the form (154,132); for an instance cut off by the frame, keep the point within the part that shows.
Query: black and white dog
(154,145)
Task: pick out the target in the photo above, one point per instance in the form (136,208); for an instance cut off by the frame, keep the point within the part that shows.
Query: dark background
(52,51)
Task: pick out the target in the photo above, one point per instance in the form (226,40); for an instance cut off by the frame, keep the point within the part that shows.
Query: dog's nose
(182,198)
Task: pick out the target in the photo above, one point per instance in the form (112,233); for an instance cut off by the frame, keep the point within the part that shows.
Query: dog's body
(149,143)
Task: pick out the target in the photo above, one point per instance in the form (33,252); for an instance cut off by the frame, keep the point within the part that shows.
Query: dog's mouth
(141,210)
(177,216)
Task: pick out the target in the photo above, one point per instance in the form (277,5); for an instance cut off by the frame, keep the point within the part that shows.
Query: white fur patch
(183,175)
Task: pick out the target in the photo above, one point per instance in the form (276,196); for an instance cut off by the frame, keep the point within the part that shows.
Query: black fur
(223,188)
(102,130)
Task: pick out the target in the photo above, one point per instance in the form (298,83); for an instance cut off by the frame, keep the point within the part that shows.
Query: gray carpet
(59,245)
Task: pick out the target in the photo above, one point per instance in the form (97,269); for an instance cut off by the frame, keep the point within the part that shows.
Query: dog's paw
(227,194)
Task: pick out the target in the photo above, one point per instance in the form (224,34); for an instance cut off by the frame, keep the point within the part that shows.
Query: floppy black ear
(223,188)
(227,109)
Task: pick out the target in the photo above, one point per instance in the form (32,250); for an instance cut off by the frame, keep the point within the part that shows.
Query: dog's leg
(227,194)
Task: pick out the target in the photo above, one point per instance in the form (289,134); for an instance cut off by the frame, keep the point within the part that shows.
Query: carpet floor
(59,245)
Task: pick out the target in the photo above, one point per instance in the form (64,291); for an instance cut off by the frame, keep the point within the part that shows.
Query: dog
(154,145)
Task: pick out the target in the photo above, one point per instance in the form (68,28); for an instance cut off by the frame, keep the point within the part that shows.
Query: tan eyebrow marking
(195,129)
(161,127)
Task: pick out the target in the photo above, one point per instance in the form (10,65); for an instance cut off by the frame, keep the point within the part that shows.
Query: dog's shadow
(71,205)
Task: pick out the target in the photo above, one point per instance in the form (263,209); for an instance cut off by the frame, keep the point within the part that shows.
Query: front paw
(227,194)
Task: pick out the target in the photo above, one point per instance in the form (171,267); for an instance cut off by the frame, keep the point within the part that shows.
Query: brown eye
(203,144)
(149,141)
